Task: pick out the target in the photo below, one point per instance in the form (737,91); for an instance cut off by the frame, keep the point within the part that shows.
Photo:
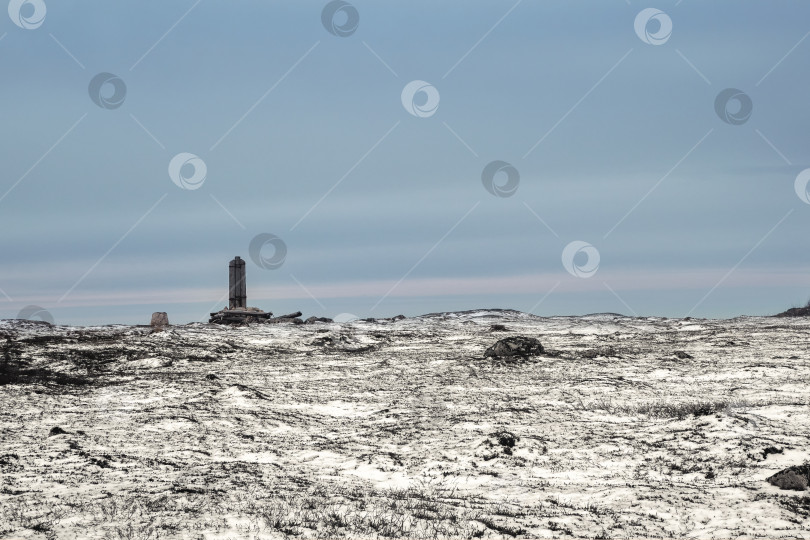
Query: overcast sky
(355,141)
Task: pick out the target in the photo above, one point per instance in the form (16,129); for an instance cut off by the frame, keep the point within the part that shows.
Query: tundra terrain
(622,428)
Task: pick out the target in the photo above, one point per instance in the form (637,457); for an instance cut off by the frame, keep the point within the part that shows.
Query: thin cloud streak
(539,284)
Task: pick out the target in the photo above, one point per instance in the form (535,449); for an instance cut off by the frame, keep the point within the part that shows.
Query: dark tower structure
(237,285)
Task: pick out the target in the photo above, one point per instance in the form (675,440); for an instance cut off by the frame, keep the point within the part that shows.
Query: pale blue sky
(599,124)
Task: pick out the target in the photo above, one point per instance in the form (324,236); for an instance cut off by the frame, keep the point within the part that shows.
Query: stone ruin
(238,311)
(159,319)
(237,284)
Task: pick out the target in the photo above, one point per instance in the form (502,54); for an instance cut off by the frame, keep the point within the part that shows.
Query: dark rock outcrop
(312,320)
(795,478)
(796,312)
(56,430)
(519,346)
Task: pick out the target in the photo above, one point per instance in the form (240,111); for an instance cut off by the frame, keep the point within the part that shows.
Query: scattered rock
(498,328)
(211,377)
(506,439)
(515,346)
(398,318)
(9,459)
(333,341)
(312,320)
(794,478)
(100,462)
(159,319)
(771,450)
(290,315)
(56,430)
(496,444)
(323,341)
(683,355)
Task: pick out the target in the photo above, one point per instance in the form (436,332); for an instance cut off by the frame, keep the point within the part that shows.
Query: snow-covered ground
(403,429)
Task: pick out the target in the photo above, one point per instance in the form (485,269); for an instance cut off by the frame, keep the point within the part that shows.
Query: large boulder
(794,478)
(515,346)
(160,319)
